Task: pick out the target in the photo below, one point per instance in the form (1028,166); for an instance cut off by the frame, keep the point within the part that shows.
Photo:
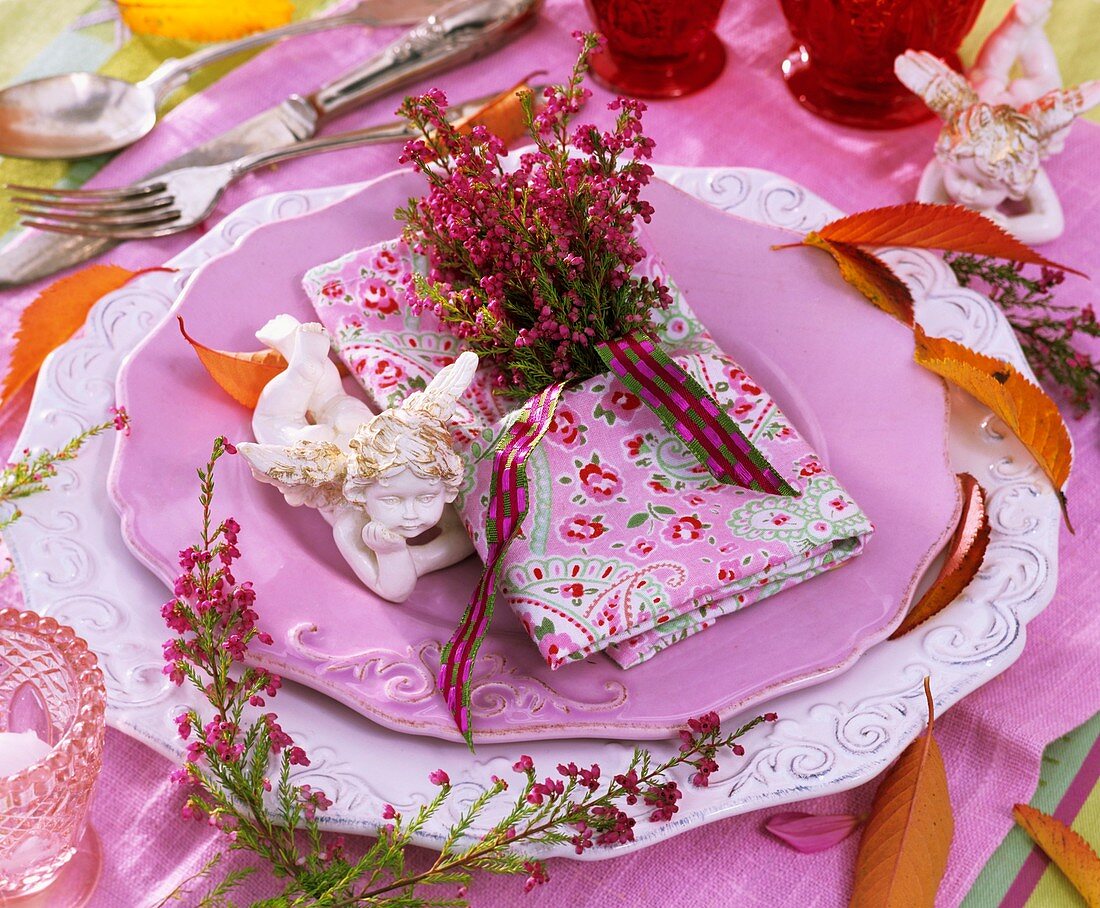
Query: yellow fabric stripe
(28,32)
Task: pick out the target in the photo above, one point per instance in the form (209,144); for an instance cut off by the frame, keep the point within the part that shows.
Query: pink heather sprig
(1055,337)
(233,756)
(237,772)
(30,472)
(533,267)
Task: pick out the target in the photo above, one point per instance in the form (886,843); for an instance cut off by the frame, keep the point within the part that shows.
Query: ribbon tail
(508,505)
(686,409)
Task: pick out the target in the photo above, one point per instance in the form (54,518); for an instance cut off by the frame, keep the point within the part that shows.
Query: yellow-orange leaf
(965,552)
(54,316)
(870,275)
(1022,405)
(905,843)
(204,20)
(1073,855)
(948,227)
(502,116)
(241,375)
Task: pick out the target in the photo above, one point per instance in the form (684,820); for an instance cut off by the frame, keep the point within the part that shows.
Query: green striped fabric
(1069,788)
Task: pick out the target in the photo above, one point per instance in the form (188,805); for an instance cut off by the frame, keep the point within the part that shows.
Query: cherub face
(968,186)
(402,502)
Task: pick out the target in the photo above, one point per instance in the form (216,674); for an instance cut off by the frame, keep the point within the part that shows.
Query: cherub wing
(445,389)
(944,91)
(307,473)
(1055,111)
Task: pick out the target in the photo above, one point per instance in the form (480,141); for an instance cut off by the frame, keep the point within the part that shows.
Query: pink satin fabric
(991,742)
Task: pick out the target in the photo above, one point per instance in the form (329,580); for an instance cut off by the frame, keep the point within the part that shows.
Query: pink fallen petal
(810,833)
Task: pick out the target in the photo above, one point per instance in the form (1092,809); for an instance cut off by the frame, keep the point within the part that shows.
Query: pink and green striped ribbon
(508,503)
(685,408)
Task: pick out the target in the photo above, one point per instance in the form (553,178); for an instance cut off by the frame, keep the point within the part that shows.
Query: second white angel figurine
(996,129)
(382,481)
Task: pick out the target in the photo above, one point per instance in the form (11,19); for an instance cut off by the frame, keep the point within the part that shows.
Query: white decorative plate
(74,566)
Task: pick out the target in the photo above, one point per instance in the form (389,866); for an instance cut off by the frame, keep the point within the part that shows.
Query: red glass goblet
(657,48)
(842,64)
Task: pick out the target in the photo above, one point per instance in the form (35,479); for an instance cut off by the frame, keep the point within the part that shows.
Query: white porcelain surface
(74,566)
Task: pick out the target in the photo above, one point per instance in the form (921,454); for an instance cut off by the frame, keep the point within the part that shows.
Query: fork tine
(106,206)
(105,220)
(112,233)
(125,192)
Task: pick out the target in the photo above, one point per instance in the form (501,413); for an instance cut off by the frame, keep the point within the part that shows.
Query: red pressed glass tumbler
(657,48)
(842,64)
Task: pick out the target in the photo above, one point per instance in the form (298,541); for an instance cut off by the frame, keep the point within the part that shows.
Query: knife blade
(461,31)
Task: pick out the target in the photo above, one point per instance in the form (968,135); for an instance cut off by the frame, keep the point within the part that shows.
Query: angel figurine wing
(442,394)
(944,91)
(1054,113)
(307,473)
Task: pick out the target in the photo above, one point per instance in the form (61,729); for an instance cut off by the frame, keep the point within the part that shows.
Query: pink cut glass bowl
(50,683)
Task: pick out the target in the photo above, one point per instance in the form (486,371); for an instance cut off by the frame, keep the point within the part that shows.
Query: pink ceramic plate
(842,370)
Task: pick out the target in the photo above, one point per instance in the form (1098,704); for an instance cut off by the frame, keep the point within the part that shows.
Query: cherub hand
(381,540)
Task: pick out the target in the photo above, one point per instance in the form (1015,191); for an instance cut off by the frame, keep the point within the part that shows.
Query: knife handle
(461,31)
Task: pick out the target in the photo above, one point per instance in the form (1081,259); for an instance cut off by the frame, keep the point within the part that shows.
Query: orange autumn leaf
(502,116)
(241,375)
(204,20)
(1071,853)
(1022,405)
(965,552)
(903,851)
(55,315)
(870,275)
(948,227)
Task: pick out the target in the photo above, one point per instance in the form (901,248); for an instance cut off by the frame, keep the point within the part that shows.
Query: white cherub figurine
(997,130)
(382,481)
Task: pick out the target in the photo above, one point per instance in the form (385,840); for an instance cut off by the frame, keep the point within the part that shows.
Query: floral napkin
(629,544)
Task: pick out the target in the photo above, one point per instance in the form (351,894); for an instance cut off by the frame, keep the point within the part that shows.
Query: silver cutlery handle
(172,74)
(372,135)
(461,31)
(376,134)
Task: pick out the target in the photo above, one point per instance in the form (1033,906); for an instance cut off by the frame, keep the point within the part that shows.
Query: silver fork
(176,201)
(172,202)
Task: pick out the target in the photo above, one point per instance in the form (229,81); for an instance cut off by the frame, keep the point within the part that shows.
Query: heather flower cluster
(533,267)
(214,621)
(1050,333)
(237,771)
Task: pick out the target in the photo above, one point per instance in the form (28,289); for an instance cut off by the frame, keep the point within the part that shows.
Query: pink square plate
(840,369)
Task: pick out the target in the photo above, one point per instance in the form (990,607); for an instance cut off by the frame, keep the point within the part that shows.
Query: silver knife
(459,32)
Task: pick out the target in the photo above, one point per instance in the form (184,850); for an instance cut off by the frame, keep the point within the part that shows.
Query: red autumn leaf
(965,552)
(241,375)
(948,227)
(55,315)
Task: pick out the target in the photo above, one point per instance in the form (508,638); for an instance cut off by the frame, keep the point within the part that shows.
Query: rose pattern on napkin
(630,545)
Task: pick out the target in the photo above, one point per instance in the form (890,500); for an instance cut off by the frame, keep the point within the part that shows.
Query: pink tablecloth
(992,741)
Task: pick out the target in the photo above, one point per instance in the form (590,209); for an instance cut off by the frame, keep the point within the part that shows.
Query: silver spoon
(80,114)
